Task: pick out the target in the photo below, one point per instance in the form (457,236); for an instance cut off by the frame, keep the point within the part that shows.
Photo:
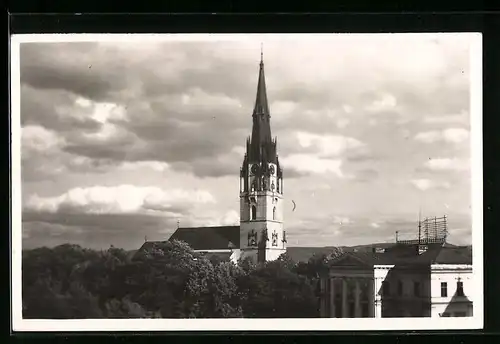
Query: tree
(274,290)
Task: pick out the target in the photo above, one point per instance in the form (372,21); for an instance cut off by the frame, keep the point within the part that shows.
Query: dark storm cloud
(53,109)
(75,67)
(160,126)
(186,103)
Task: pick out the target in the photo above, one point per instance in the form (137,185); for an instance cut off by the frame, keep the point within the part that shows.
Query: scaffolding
(430,231)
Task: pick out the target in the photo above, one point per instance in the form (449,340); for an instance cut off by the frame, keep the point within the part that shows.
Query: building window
(364,310)
(254,212)
(460,288)
(338,308)
(400,288)
(352,310)
(444,289)
(386,288)
(416,289)
(274,213)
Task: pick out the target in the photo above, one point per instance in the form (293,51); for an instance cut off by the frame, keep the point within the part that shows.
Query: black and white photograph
(246,182)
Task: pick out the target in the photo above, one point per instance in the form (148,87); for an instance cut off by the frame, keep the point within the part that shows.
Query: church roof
(209,238)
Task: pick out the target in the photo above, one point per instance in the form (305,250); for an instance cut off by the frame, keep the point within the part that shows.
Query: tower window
(254,186)
(400,288)
(274,213)
(444,289)
(254,212)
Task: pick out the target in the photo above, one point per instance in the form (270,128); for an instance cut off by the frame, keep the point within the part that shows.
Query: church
(260,235)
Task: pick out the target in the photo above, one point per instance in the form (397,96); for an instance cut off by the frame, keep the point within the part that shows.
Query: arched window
(254,186)
(274,213)
(254,212)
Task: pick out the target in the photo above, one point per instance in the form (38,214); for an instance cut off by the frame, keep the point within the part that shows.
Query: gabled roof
(209,238)
(401,254)
(454,255)
(397,254)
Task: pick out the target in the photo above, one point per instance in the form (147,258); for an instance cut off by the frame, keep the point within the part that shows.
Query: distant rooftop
(402,254)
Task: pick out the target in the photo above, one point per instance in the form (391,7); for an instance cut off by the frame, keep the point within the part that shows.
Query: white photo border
(314,324)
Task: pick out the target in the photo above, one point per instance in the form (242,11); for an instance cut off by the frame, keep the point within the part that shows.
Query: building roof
(209,238)
(454,255)
(303,254)
(400,254)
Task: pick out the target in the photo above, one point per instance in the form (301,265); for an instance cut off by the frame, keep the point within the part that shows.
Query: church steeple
(261,107)
(262,235)
(262,147)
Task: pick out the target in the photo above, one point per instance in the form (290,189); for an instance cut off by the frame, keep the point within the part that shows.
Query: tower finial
(261,52)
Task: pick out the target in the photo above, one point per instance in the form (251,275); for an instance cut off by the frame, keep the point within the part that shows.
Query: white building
(401,281)
(260,235)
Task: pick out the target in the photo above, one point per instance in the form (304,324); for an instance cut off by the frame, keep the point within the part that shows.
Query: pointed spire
(261,106)
(261,145)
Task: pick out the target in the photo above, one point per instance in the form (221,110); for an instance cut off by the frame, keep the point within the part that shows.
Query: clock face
(255,168)
(271,169)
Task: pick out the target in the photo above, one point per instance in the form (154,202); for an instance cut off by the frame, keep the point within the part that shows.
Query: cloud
(326,145)
(342,220)
(154,165)
(366,175)
(385,102)
(119,199)
(176,115)
(462,118)
(443,164)
(35,138)
(426,184)
(98,231)
(452,135)
(303,163)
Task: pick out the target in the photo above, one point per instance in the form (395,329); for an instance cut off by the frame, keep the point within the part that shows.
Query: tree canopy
(168,280)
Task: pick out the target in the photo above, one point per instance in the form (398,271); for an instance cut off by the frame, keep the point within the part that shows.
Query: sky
(123,140)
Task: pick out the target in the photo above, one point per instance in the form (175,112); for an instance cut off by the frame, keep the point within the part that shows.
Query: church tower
(262,235)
